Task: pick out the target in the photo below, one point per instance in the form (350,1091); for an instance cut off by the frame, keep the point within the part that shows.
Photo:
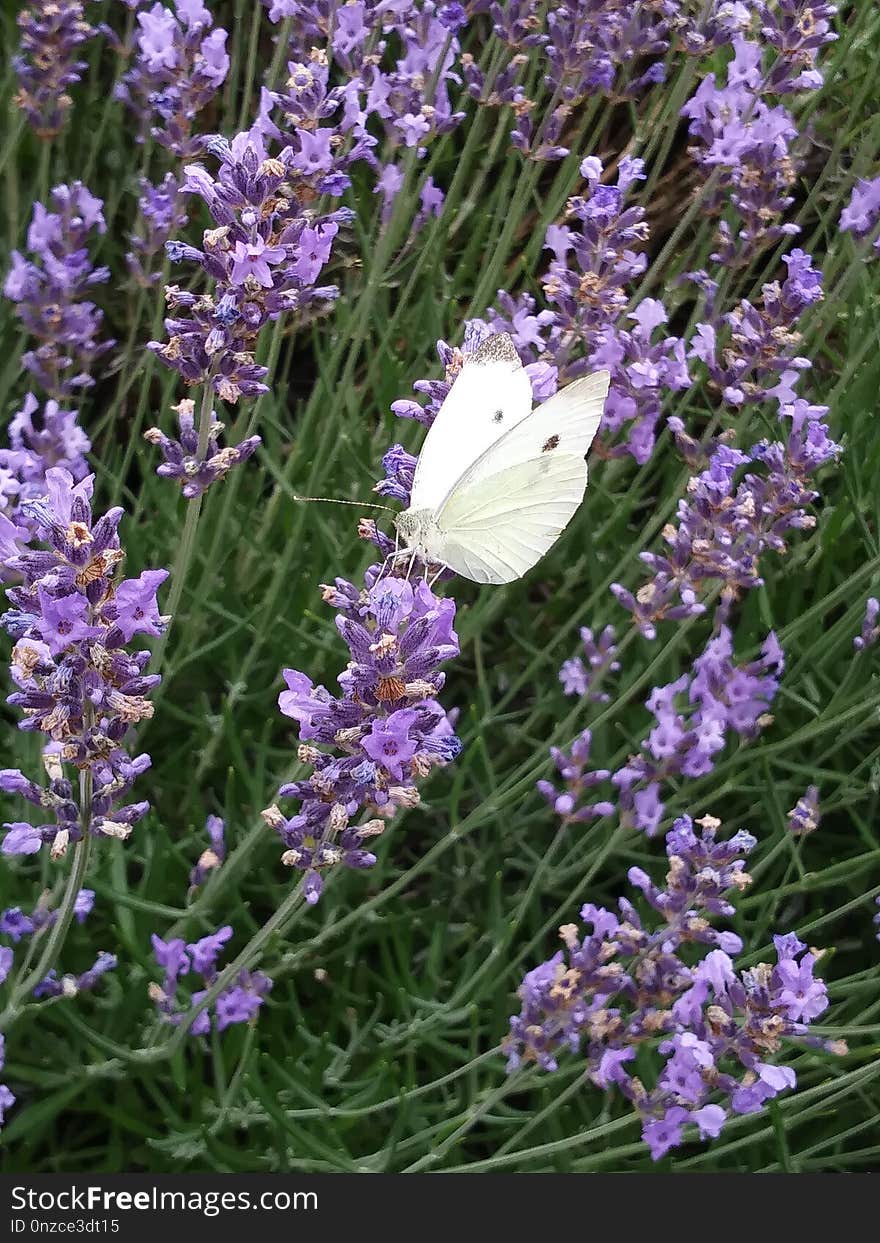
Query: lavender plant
(51,290)
(48,63)
(619,986)
(331,201)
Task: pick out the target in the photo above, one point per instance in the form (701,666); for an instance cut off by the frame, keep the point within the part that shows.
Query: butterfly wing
(491,394)
(509,508)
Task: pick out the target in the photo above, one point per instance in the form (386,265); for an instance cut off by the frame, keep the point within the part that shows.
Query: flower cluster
(239,1003)
(862,212)
(386,730)
(49,290)
(52,31)
(693,717)
(72,985)
(586,287)
(748,146)
(603,47)
(180,64)
(195,471)
(594,259)
(724,526)
(322,153)
(17,925)
(397,64)
(71,620)
(620,986)
(161,214)
(796,30)
(578,778)
(262,260)
(53,438)
(577,678)
(751,352)
(870,631)
(804,816)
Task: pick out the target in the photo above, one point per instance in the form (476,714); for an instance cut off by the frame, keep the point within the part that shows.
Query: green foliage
(377,1050)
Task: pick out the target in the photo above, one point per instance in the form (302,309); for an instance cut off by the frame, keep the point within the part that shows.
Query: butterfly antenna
(334,500)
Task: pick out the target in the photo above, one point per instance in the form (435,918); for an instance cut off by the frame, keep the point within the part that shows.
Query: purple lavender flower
(36,445)
(193,472)
(751,353)
(397,65)
(724,527)
(212,857)
(180,65)
(76,682)
(618,985)
(577,678)
(49,291)
(579,779)
(862,212)
(749,145)
(588,44)
(161,214)
(692,719)
(386,730)
(870,632)
(797,29)
(595,261)
(72,985)
(584,49)
(7,1100)
(47,64)
(239,1003)
(804,816)
(586,286)
(263,259)
(14,923)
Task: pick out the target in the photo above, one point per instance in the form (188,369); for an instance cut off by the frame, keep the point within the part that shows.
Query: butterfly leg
(392,556)
(412,560)
(436,576)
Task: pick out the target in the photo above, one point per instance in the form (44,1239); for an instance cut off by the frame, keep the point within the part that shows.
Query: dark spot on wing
(497,416)
(497,348)
(550,443)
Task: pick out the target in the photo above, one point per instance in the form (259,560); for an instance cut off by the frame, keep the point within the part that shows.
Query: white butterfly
(497,483)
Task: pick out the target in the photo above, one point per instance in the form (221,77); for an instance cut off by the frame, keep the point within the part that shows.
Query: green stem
(61,926)
(186,547)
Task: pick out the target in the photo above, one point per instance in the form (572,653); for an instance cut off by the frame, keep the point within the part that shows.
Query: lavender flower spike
(71,619)
(180,65)
(239,1003)
(50,291)
(386,731)
(804,816)
(263,259)
(47,64)
(37,442)
(195,473)
(620,985)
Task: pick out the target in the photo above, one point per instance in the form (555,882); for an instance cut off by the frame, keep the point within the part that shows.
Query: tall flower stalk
(72,618)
